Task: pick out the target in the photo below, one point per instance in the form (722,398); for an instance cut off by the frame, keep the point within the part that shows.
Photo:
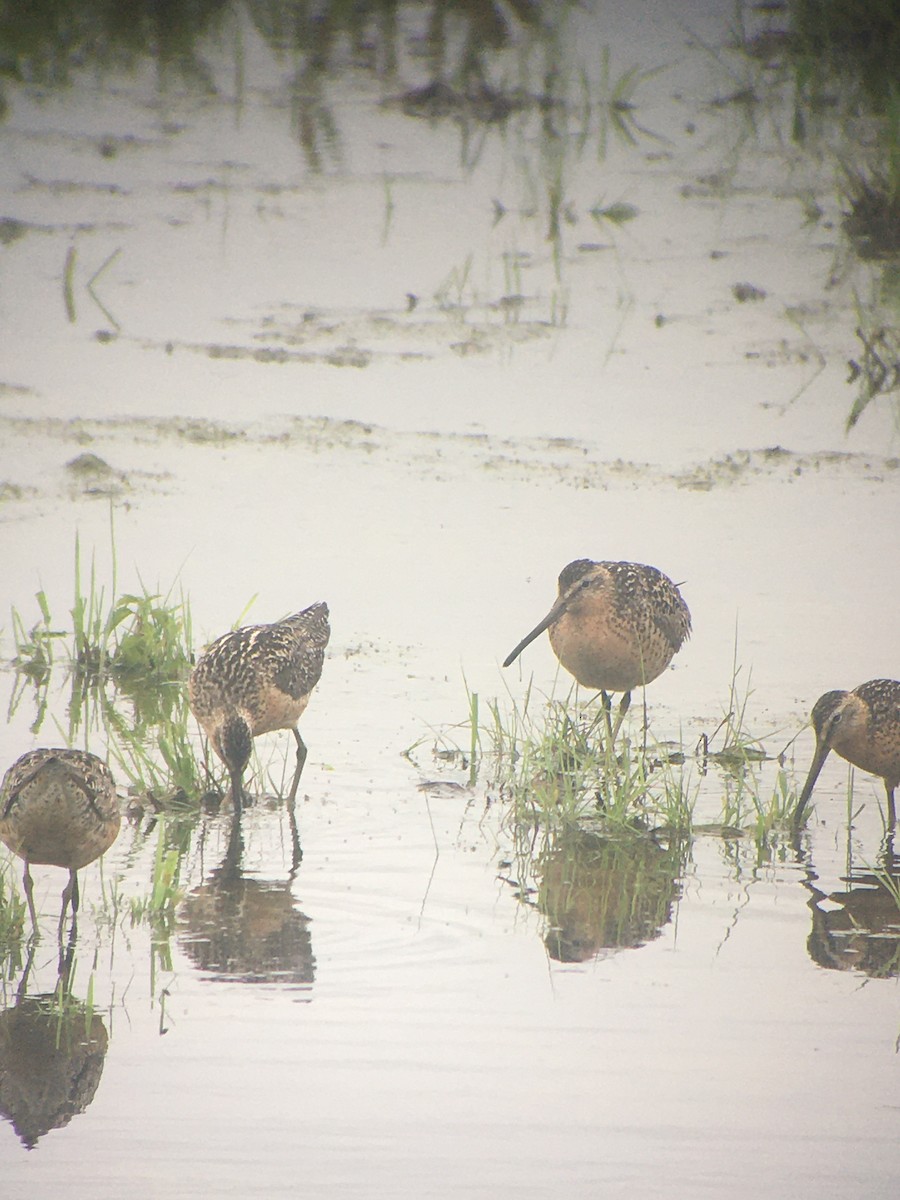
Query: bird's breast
(602,653)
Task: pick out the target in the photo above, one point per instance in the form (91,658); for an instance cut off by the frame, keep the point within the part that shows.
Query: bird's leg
(28,883)
(607,707)
(70,895)
(891,810)
(620,715)
(296,850)
(301,759)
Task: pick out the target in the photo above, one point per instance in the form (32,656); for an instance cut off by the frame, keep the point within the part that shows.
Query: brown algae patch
(10,492)
(439,455)
(743,465)
(356,339)
(91,475)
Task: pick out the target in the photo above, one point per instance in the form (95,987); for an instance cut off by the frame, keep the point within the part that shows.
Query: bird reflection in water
(238,927)
(858,927)
(52,1052)
(601,894)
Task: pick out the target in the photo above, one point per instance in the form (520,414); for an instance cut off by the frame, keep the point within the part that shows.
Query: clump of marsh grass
(555,763)
(552,760)
(126,657)
(12,926)
(131,638)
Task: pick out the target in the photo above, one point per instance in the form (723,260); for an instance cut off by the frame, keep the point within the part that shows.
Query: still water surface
(402,375)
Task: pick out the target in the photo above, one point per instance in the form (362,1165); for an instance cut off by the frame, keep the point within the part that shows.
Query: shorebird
(58,808)
(615,626)
(862,726)
(257,679)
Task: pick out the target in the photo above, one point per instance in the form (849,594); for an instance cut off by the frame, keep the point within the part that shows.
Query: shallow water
(281,422)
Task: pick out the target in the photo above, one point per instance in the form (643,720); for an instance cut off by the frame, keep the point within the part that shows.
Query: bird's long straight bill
(822,751)
(553,615)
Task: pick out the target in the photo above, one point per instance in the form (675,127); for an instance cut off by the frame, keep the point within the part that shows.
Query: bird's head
(233,742)
(576,580)
(835,718)
(831,716)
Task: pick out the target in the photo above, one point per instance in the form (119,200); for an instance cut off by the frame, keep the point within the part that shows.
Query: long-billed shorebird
(255,680)
(615,626)
(862,726)
(58,808)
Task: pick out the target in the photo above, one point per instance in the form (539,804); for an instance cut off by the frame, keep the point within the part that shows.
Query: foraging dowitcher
(255,680)
(614,626)
(58,808)
(862,726)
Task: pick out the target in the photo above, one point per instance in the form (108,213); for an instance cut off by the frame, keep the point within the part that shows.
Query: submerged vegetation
(816,83)
(878,368)
(843,56)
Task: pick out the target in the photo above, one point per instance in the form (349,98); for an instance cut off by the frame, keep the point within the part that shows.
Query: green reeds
(556,765)
(126,658)
(739,747)
(12,926)
(553,761)
(158,907)
(34,646)
(143,636)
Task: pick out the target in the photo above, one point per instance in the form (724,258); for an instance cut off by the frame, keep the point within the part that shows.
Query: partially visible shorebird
(255,680)
(615,626)
(862,726)
(58,808)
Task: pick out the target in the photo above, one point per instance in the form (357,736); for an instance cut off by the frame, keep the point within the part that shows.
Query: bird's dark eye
(585,583)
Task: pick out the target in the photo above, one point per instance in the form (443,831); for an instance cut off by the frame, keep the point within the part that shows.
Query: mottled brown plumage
(255,680)
(862,726)
(59,808)
(615,626)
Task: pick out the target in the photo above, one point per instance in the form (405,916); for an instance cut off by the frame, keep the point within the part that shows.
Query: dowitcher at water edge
(58,808)
(862,726)
(255,680)
(614,626)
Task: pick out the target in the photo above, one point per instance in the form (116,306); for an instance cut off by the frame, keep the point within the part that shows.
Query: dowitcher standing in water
(615,626)
(255,680)
(58,808)
(862,726)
